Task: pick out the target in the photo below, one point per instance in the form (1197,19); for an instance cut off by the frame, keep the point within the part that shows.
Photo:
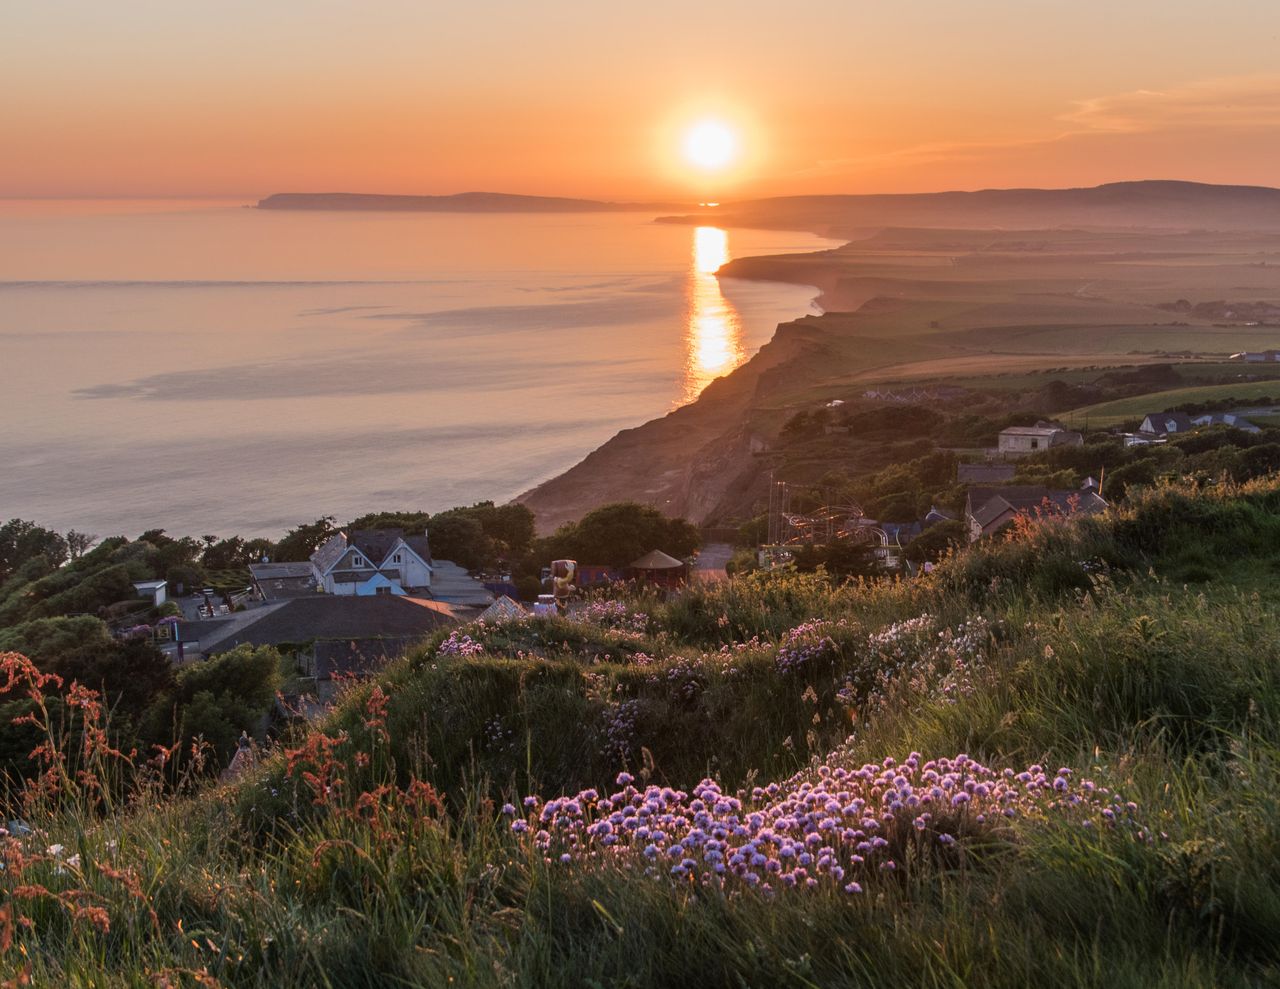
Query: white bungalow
(373,561)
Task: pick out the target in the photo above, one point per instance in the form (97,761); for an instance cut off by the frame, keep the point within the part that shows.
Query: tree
(78,542)
(300,542)
(615,535)
(221,697)
(459,537)
(932,544)
(20,541)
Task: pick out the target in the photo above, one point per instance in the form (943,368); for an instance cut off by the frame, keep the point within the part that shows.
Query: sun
(710,145)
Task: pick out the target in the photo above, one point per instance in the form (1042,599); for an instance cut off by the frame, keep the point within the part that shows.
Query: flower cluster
(902,640)
(685,678)
(620,728)
(460,643)
(613,615)
(806,643)
(837,827)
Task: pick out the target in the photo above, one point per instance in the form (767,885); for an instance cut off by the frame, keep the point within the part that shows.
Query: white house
(1020,440)
(1226,419)
(373,561)
(1166,423)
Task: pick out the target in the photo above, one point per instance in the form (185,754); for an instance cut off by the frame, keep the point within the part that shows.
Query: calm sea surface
(214,369)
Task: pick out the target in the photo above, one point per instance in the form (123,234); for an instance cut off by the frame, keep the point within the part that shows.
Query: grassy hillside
(1123,410)
(1053,762)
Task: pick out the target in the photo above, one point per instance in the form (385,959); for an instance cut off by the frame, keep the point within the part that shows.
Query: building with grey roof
(321,617)
(370,562)
(987,510)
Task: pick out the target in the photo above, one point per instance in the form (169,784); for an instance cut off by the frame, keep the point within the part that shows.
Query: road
(711,561)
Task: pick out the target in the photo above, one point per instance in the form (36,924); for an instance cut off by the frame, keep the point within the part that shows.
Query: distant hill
(1149,204)
(463,202)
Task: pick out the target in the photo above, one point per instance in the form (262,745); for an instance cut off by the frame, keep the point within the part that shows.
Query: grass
(1126,409)
(376,852)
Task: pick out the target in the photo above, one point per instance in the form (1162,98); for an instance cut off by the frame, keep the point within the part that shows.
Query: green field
(1125,409)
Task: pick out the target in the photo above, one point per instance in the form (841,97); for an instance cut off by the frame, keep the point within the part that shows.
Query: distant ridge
(462,202)
(1149,203)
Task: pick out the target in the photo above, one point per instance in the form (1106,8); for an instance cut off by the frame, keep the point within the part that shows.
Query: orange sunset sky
(563,97)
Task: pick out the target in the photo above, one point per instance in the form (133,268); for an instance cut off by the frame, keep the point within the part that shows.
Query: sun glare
(710,145)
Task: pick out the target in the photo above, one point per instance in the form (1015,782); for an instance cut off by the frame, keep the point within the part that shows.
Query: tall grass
(373,850)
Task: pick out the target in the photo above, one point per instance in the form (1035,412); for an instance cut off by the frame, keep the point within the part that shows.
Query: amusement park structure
(821,526)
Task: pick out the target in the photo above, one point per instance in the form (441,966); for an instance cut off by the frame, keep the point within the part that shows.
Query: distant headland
(462,202)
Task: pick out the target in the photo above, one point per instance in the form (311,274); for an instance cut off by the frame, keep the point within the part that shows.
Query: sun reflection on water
(713,337)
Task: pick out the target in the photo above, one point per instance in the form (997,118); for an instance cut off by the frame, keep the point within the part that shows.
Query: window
(382,590)
(1035,444)
(357,561)
(396,558)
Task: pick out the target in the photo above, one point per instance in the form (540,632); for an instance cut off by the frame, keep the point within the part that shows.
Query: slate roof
(987,505)
(1220,419)
(330,552)
(420,545)
(374,543)
(326,616)
(353,657)
(503,609)
(279,571)
(1161,422)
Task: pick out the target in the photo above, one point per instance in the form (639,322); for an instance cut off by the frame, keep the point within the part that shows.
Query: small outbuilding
(660,568)
(156,591)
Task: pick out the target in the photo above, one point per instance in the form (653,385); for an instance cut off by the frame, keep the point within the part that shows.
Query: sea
(209,368)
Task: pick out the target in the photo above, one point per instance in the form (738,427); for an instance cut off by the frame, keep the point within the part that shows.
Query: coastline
(688,462)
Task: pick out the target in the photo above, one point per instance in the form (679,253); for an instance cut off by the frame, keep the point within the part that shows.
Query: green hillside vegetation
(391,845)
(1123,410)
(896,462)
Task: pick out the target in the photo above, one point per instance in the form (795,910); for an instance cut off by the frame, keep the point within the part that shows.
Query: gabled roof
(987,505)
(327,555)
(656,560)
(377,546)
(1168,422)
(503,609)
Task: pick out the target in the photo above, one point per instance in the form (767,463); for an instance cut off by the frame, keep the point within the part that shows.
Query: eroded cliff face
(697,460)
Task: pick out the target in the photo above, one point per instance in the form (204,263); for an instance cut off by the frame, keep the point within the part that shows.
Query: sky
(240,99)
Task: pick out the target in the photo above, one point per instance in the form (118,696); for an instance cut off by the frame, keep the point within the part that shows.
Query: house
(1138,439)
(1017,441)
(367,562)
(1165,423)
(278,581)
(384,624)
(1257,357)
(1226,419)
(155,591)
(985,473)
(987,510)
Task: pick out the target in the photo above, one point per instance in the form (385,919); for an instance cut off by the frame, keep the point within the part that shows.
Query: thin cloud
(1239,103)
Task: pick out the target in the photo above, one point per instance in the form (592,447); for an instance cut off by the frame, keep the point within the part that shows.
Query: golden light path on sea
(713,335)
